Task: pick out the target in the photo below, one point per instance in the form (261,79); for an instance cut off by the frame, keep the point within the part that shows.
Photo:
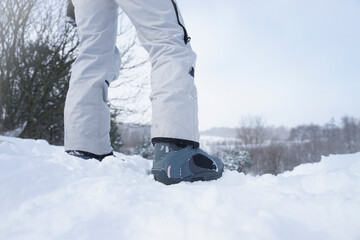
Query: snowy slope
(46,194)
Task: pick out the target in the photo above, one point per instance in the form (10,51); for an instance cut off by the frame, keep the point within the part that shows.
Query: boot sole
(161,176)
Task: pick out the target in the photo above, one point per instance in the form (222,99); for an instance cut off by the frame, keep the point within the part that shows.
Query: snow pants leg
(162,32)
(87,117)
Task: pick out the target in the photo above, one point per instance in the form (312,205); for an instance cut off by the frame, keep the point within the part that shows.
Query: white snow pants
(160,29)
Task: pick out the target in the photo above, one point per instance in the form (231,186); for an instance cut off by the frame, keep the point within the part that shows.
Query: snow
(47,194)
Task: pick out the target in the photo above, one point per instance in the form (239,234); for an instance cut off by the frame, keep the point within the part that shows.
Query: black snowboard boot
(177,162)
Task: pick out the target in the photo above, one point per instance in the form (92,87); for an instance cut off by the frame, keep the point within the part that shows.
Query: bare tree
(332,138)
(252,130)
(351,134)
(37,49)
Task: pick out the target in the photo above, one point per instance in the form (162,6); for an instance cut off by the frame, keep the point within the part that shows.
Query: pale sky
(291,62)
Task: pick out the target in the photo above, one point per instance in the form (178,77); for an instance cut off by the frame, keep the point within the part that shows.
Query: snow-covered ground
(46,194)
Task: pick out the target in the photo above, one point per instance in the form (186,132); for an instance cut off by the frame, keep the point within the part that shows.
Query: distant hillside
(131,132)
(226,132)
(220,132)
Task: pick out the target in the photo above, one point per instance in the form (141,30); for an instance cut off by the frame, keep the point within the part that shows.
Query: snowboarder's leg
(87,118)
(162,32)
(175,133)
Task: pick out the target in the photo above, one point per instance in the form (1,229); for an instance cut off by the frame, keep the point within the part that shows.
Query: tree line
(273,154)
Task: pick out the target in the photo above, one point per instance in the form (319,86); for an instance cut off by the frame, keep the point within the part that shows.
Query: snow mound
(47,194)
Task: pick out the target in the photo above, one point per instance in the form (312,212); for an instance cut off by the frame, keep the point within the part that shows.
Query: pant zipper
(186,36)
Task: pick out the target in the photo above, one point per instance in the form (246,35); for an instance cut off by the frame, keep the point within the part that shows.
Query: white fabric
(173,96)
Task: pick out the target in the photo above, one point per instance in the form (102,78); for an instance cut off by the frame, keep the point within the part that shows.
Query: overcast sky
(291,62)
